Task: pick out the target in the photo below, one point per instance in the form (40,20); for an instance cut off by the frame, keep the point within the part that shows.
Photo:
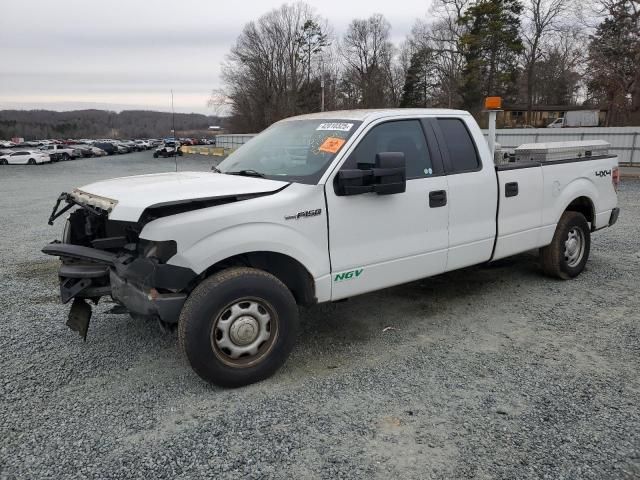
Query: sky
(129,54)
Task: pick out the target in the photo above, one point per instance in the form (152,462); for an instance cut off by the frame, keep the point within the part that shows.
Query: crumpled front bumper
(142,285)
(146,301)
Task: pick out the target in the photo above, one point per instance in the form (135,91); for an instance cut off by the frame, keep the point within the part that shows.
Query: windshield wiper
(247,173)
(216,170)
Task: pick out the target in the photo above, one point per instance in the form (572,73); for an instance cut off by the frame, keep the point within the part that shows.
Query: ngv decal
(603,173)
(350,275)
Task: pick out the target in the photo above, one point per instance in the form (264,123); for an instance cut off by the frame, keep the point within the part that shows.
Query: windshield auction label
(339,127)
(332,145)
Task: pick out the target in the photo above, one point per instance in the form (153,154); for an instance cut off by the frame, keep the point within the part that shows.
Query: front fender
(254,237)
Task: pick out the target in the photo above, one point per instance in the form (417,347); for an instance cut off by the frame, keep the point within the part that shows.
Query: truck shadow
(410,307)
(331,334)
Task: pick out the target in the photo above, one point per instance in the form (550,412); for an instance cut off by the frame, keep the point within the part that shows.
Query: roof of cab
(374,114)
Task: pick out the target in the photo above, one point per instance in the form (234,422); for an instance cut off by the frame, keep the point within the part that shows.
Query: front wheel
(568,252)
(238,327)
(31,161)
(3,161)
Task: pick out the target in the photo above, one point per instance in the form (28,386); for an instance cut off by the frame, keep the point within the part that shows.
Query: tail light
(615,178)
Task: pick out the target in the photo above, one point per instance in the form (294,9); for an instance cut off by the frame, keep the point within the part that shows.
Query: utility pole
(321,85)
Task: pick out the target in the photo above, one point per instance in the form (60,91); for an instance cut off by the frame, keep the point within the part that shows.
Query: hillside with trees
(531,52)
(42,124)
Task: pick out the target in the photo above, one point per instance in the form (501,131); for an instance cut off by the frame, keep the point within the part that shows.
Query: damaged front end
(102,257)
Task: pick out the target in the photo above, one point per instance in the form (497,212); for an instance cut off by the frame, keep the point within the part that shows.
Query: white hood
(128,197)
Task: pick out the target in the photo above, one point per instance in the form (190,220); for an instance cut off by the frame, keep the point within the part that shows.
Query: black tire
(155,154)
(558,258)
(65,157)
(201,335)
(3,161)
(31,161)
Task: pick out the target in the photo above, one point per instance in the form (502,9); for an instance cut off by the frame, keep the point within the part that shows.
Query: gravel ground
(489,372)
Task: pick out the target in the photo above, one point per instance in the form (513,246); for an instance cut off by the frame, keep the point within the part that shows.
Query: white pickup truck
(61,152)
(318,208)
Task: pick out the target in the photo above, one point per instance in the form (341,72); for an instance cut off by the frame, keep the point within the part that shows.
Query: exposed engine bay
(102,257)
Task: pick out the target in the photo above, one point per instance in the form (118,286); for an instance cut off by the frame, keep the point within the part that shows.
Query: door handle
(511,189)
(437,198)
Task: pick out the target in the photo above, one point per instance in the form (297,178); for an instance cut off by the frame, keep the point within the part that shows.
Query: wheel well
(288,270)
(584,206)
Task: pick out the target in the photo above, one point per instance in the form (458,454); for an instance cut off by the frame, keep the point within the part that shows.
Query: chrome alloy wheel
(244,332)
(574,247)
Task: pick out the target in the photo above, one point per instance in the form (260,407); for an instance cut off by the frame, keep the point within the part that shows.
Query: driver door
(376,241)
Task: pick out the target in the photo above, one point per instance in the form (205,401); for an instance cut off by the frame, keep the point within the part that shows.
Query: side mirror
(388,176)
(390,173)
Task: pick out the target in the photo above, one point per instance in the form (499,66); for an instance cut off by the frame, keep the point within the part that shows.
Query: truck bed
(533,195)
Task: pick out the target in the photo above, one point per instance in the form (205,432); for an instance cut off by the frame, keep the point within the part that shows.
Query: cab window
(404,136)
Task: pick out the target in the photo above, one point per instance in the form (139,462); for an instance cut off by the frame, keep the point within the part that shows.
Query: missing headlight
(162,251)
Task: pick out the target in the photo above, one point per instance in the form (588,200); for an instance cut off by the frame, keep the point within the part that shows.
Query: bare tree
(614,61)
(268,66)
(219,102)
(368,55)
(542,18)
(440,36)
(559,74)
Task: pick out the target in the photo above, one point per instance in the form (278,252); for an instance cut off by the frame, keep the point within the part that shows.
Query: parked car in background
(85,150)
(30,144)
(6,144)
(61,152)
(97,152)
(25,157)
(144,144)
(131,145)
(168,149)
(108,147)
(120,148)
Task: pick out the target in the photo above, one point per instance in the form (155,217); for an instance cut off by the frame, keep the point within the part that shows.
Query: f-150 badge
(305,214)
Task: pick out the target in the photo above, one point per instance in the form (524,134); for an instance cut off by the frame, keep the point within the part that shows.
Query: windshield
(294,150)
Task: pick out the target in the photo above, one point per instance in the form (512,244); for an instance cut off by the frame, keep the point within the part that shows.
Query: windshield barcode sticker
(340,127)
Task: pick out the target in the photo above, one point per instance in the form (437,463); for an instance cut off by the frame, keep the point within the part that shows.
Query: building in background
(514,116)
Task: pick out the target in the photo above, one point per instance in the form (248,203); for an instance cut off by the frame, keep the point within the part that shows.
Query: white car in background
(25,157)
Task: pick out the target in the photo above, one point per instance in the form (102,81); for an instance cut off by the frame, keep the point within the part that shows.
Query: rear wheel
(31,161)
(238,327)
(3,161)
(65,157)
(568,252)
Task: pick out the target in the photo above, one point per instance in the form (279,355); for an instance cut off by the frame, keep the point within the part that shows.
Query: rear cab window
(459,149)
